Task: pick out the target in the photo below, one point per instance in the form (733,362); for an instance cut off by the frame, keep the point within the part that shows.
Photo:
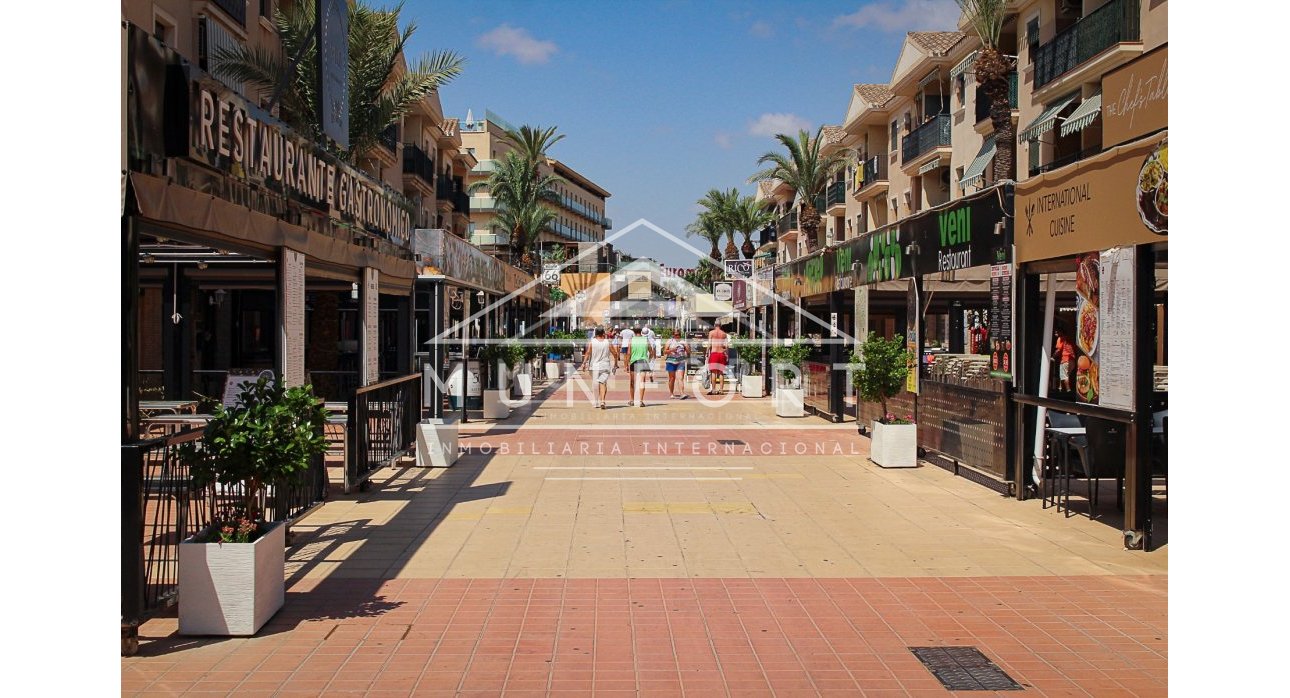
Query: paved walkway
(675,549)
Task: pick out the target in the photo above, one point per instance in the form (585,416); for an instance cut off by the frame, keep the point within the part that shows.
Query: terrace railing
(417,163)
(932,134)
(1115,22)
(382,427)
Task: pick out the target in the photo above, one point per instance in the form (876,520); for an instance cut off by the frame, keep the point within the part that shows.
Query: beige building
(580,210)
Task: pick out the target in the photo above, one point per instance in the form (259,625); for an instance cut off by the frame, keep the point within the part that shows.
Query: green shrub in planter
(267,438)
(882,367)
(749,350)
(794,355)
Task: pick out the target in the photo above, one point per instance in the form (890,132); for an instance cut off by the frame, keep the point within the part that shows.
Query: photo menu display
(1104,285)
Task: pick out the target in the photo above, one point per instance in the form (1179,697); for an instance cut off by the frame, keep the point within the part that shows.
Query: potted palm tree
(231,573)
(786,360)
(882,365)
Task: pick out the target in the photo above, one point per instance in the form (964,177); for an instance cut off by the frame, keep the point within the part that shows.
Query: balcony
(489,239)
(235,9)
(417,165)
(835,199)
(389,138)
(1064,160)
(786,227)
(930,136)
(484,167)
(461,202)
(1116,22)
(983,102)
(483,203)
(873,177)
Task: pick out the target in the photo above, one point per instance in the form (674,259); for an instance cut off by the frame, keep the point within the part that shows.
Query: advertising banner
(1120,197)
(738,268)
(457,259)
(912,341)
(762,286)
(739,294)
(1135,98)
(723,291)
(333,70)
(1001,355)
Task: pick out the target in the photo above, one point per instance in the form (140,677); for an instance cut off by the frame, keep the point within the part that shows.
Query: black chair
(1101,455)
(1058,452)
(1160,447)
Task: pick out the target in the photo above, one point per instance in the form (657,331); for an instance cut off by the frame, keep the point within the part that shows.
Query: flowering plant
(231,529)
(890,418)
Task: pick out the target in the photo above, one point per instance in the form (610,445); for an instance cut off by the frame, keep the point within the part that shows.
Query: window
(895,133)
(960,88)
(1032,38)
(163,27)
(1032,146)
(958,177)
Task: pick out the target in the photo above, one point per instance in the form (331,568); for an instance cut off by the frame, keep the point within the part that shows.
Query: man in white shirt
(603,360)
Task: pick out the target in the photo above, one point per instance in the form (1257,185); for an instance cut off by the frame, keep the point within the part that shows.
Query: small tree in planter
(882,367)
(231,576)
(497,358)
(787,360)
(749,350)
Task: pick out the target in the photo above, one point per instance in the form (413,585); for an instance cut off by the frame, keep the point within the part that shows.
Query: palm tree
(709,228)
(378,97)
(807,171)
(992,70)
(533,142)
(521,193)
(747,216)
(720,205)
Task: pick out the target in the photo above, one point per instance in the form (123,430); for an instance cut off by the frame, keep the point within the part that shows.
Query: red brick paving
(1095,635)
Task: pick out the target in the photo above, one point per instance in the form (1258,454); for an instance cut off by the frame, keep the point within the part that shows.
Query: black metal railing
(1115,22)
(983,100)
(934,133)
(1064,160)
(235,9)
(382,427)
(461,202)
(787,222)
(389,138)
(161,507)
(443,188)
(417,163)
(873,170)
(836,194)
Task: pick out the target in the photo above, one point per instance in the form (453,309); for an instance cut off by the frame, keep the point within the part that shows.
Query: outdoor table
(151,408)
(179,421)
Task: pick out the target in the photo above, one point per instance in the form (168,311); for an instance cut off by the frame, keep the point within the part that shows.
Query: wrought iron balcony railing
(417,163)
(235,9)
(932,134)
(1115,22)
(983,102)
(873,170)
(389,138)
(786,223)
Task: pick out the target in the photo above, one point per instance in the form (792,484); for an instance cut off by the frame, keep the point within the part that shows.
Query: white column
(291,316)
(369,310)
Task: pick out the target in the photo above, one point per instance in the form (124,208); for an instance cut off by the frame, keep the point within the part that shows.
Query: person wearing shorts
(677,353)
(717,343)
(640,353)
(603,360)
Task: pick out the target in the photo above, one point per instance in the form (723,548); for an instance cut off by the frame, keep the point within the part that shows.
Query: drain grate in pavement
(731,442)
(964,669)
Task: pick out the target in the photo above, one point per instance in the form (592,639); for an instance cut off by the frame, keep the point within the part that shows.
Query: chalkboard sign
(237,381)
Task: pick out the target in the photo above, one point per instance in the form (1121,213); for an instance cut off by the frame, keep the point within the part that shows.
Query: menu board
(237,381)
(1104,328)
(1115,317)
(1001,321)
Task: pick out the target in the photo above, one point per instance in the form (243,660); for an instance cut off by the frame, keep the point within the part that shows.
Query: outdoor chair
(1101,455)
(1160,447)
(1052,464)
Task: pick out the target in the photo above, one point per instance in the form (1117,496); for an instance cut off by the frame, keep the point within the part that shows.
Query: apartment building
(580,209)
(435,168)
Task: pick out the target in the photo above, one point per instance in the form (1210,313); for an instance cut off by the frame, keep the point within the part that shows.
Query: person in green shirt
(641,353)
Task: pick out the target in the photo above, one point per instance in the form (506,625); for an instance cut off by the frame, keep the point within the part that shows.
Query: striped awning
(964,65)
(931,166)
(930,77)
(1048,119)
(974,175)
(1085,114)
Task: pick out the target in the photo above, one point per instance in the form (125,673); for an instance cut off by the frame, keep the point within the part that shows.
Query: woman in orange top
(1065,357)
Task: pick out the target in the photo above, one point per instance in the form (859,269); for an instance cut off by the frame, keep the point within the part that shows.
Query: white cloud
(908,15)
(507,40)
(723,140)
(762,29)
(771,124)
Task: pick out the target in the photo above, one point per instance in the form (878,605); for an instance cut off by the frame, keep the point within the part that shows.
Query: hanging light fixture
(353,291)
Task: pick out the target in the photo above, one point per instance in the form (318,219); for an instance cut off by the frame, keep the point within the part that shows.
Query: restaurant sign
(244,141)
(1135,98)
(1120,197)
(448,255)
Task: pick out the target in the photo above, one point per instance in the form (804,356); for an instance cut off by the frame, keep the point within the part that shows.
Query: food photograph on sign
(1088,278)
(1153,190)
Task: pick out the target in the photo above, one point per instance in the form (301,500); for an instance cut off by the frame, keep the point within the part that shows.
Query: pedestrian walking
(677,354)
(640,352)
(603,362)
(718,341)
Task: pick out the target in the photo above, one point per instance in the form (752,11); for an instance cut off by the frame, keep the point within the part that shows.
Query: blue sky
(663,100)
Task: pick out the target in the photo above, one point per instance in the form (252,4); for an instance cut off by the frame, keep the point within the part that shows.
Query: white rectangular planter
(523,385)
(495,406)
(789,402)
(231,588)
(552,370)
(753,386)
(437,443)
(894,445)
